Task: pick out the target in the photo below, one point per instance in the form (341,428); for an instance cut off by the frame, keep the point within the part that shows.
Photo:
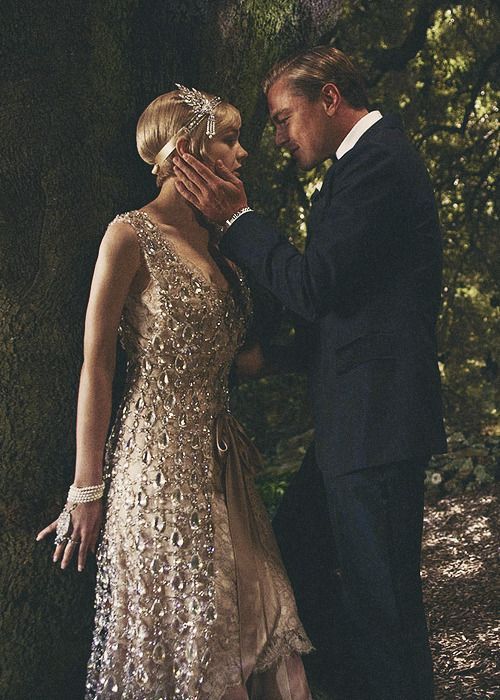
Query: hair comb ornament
(202,107)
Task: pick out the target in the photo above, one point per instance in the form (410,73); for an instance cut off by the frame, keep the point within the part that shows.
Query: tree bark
(76,75)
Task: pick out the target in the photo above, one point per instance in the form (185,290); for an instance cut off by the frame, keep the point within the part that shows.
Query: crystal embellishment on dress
(166,623)
(159,653)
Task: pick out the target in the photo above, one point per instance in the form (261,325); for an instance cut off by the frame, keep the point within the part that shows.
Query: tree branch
(469,109)
(397,57)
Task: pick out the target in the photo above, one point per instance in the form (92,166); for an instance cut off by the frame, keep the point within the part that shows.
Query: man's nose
(280,138)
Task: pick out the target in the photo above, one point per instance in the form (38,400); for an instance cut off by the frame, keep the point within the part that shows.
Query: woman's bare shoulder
(120,237)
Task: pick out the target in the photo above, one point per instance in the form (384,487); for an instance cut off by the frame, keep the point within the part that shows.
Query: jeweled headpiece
(202,107)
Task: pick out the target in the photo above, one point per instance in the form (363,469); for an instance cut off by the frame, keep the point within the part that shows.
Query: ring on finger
(70,539)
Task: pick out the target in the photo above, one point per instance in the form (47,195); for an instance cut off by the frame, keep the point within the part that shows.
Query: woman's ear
(182,145)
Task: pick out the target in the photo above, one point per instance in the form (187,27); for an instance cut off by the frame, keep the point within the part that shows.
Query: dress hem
(293,642)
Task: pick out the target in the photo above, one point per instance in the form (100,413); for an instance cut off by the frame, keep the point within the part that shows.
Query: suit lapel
(319,199)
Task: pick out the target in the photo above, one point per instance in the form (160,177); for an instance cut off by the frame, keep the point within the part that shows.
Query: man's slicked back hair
(306,73)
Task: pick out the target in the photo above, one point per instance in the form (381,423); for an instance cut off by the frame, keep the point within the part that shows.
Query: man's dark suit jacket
(369,284)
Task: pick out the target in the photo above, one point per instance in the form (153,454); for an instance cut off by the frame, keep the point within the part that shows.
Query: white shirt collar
(357,132)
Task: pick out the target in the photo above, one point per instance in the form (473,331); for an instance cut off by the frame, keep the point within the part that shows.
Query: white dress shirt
(354,135)
(357,132)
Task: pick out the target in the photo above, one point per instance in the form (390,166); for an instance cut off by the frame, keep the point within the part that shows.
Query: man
(369,283)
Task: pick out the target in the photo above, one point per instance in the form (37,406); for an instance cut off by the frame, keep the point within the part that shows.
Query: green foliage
(274,408)
(272,489)
(468,467)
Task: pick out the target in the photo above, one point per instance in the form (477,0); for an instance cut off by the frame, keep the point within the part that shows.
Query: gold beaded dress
(192,599)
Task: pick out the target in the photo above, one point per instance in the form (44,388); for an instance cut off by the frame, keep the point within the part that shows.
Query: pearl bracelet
(85,494)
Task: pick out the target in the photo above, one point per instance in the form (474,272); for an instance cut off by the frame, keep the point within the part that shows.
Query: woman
(192,601)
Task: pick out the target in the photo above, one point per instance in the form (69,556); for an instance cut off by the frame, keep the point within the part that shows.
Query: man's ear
(331,98)
(182,145)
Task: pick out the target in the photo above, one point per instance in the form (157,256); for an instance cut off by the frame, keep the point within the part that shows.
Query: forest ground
(461,574)
(462,591)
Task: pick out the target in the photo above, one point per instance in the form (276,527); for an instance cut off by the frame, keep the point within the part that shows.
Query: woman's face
(225,146)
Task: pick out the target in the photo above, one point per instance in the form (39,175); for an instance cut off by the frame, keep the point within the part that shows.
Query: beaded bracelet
(85,494)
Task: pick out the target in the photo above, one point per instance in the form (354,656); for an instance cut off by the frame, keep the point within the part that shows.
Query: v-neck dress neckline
(191,267)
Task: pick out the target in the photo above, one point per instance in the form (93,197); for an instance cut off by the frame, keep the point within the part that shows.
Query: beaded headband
(202,107)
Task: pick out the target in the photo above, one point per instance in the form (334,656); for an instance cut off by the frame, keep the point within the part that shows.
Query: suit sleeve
(357,240)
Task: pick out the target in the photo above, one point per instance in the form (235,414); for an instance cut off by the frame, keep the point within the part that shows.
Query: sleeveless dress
(191,598)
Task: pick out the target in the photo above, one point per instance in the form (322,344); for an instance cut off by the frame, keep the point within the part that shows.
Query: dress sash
(259,603)
(239,460)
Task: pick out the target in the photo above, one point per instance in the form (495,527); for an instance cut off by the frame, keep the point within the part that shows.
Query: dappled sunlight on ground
(461,572)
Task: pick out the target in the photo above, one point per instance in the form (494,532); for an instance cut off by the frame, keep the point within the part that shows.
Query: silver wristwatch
(235,216)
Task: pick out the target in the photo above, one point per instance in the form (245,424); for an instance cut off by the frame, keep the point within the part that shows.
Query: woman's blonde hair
(165,117)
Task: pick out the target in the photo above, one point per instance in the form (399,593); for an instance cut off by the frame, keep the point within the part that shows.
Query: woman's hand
(250,362)
(86,520)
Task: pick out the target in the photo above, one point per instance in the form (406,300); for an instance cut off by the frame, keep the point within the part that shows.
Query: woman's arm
(254,362)
(117,265)
(250,363)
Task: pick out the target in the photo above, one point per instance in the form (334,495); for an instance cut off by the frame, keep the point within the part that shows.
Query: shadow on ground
(461,574)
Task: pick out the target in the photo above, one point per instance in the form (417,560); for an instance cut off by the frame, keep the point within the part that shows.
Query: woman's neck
(172,210)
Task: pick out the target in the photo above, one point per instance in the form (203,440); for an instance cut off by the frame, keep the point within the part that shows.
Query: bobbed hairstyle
(306,73)
(166,116)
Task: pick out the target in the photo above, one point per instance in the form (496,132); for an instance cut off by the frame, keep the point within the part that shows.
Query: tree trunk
(76,76)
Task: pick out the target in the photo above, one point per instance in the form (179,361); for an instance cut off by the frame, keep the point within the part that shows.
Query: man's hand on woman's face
(217,195)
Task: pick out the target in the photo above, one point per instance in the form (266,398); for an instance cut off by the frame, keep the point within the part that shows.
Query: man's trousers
(351,545)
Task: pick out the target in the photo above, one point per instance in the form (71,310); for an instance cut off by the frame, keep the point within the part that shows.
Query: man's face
(302,127)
